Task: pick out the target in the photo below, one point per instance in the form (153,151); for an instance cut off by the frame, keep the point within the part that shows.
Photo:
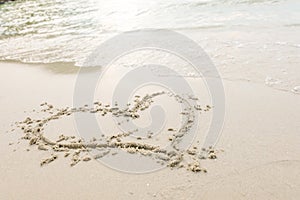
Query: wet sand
(260,142)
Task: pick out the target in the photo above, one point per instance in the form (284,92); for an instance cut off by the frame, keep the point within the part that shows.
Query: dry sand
(260,138)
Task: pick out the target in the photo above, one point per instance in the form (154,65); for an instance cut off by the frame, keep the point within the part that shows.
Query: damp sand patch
(77,149)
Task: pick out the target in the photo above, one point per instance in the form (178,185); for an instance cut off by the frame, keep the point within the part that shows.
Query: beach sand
(260,140)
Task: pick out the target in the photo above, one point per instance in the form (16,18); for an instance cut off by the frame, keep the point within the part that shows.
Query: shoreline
(71,68)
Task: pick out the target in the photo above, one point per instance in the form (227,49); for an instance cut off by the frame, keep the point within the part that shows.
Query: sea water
(247,40)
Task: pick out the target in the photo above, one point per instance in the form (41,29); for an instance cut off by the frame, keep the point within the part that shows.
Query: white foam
(272,81)
(296,89)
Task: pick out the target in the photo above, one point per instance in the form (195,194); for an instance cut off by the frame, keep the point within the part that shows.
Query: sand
(260,140)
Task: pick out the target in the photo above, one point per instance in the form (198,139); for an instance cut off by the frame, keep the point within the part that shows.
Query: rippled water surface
(255,40)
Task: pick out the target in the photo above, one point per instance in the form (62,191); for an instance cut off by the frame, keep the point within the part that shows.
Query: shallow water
(248,40)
